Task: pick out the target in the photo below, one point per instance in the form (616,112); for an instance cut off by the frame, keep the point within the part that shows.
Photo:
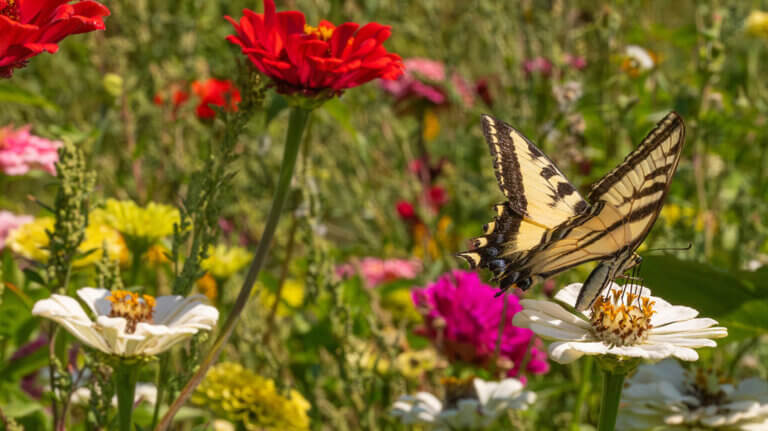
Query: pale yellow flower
(757,24)
(400,303)
(223,261)
(291,298)
(415,363)
(241,396)
(150,223)
(31,241)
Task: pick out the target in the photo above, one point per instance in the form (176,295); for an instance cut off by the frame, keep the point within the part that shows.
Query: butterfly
(545,227)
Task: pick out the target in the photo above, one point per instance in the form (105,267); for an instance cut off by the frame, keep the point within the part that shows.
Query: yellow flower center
(132,308)
(322,32)
(622,319)
(10,8)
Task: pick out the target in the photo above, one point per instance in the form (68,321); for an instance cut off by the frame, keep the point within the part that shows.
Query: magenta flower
(427,80)
(21,151)
(538,66)
(376,271)
(462,315)
(10,221)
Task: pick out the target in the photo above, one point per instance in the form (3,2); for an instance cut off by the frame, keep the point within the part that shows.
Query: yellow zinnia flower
(415,363)
(148,224)
(291,297)
(757,24)
(223,261)
(241,396)
(31,241)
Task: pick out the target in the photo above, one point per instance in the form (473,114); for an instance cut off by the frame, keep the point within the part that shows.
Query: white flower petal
(685,325)
(569,294)
(565,352)
(96,300)
(672,313)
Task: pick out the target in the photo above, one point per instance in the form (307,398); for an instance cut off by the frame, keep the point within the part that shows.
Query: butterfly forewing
(540,198)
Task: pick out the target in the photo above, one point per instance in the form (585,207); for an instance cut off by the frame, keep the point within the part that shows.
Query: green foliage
(338,341)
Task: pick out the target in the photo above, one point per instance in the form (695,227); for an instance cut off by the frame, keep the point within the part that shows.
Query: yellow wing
(625,204)
(539,198)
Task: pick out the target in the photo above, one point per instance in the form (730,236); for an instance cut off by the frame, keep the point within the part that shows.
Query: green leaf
(34,276)
(10,93)
(713,292)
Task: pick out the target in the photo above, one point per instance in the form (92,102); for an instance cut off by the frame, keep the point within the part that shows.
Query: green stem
(125,386)
(613,381)
(296,125)
(586,387)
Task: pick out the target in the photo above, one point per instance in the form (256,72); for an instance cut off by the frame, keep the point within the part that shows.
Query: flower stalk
(125,386)
(613,381)
(297,123)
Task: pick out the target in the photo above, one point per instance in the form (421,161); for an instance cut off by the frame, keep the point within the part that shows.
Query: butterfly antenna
(690,245)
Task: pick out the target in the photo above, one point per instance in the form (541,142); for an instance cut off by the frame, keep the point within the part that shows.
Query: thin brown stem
(283,275)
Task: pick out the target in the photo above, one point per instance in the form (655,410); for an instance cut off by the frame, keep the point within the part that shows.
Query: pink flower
(576,61)
(21,151)
(427,80)
(437,197)
(10,221)
(538,66)
(376,271)
(463,315)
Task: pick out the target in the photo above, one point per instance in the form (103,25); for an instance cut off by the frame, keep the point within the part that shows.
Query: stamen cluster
(622,318)
(132,308)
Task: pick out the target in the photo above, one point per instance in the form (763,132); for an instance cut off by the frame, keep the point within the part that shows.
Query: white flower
(624,322)
(640,56)
(477,410)
(126,324)
(665,396)
(145,392)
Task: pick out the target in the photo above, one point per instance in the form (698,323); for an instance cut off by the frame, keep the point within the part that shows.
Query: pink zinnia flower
(463,315)
(576,61)
(376,271)
(538,66)
(10,221)
(21,151)
(427,80)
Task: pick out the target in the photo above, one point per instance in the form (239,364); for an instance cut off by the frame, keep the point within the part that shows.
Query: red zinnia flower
(305,59)
(29,27)
(406,211)
(215,92)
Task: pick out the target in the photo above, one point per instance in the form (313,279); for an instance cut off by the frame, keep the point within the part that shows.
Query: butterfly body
(545,227)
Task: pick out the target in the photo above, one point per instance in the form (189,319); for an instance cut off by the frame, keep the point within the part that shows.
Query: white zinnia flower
(126,325)
(622,323)
(665,396)
(641,57)
(145,392)
(475,410)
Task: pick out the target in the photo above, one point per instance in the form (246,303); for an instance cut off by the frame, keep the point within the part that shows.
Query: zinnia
(465,315)
(427,80)
(216,92)
(309,60)
(29,27)
(21,151)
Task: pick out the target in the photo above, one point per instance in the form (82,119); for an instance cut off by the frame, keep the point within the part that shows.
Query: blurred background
(401,171)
